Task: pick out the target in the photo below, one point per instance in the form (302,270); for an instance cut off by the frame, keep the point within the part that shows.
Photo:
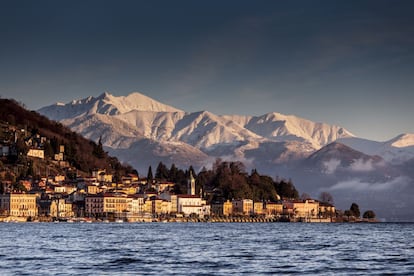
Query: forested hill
(82,154)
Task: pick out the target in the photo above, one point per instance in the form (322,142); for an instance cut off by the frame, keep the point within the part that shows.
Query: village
(102,196)
(97,198)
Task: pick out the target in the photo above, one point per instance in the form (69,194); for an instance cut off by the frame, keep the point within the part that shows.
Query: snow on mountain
(105,104)
(279,127)
(402,141)
(124,122)
(397,150)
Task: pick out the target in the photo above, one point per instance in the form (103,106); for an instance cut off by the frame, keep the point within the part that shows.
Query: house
(37,153)
(306,209)
(326,210)
(102,176)
(136,205)
(60,208)
(19,204)
(222,208)
(192,205)
(258,208)
(227,208)
(161,187)
(105,204)
(273,208)
(243,207)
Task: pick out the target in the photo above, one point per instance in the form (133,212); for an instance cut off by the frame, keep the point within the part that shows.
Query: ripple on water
(206,249)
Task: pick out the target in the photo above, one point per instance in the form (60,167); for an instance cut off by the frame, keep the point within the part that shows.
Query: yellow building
(107,203)
(93,189)
(59,208)
(174,202)
(243,207)
(258,208)
(273,208)
(19,205)
(148,207)
(306,209)
(102,176)
(227,208)
(326,210)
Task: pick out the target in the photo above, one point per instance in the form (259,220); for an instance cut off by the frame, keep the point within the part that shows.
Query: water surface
(206,249)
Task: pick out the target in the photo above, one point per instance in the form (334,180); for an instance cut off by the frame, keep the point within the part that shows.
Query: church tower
(191,185)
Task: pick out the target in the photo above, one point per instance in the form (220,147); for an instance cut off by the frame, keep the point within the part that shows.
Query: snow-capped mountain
(317,156)
(396,151)
(105,104)
(123,121)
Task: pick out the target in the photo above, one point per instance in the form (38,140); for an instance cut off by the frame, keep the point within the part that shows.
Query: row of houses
(136,207)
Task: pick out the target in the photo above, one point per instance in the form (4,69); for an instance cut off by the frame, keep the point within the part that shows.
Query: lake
(206,248)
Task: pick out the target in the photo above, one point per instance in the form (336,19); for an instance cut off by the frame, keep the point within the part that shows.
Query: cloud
(329,167)
(363,186)
(360,165)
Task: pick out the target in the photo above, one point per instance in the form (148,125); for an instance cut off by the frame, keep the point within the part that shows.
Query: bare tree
(326,197)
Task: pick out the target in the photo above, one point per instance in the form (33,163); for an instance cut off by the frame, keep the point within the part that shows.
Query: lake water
(206,249)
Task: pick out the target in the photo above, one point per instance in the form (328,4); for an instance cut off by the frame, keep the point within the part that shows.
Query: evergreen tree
(98,150)
(172,174)
(162,172)
(150,178)
(286,189)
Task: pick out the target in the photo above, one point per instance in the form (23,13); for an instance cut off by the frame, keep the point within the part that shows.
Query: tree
(355,210)
(49,152)
(172,174)
(149,176)
(305,196)
(98,150)
(369,214)
(286,189)
(326,198)
(161,172)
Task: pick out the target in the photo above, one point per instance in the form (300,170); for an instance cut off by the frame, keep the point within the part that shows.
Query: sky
(347,63)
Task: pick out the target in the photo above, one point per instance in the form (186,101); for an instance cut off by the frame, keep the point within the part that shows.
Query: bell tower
(191,185)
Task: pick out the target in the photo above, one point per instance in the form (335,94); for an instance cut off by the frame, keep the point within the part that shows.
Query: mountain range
(316,156)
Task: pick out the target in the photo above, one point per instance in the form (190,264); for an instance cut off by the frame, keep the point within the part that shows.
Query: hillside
(21,124)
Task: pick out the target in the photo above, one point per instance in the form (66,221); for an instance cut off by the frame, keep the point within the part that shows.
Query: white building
(192,204)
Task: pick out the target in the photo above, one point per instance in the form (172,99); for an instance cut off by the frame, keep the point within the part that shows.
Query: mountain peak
(402,140)
(106,103)
(341,152)
(138,102)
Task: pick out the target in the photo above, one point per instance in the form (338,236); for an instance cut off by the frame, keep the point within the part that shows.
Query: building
(326,210)
(306,209)
(19,205)
(60,208)
(192,205)
(114,205)
(243,207)
(258,208)
(227,208)
(102,176)
(222,209)
(37,153)
(273,208)
(191,185)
